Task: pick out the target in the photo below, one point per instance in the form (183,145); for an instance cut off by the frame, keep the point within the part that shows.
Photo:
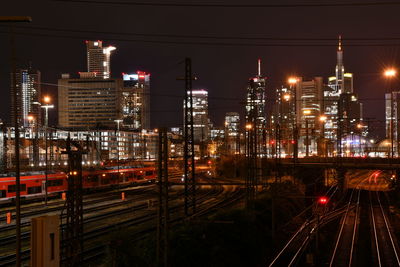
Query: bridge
(339,162)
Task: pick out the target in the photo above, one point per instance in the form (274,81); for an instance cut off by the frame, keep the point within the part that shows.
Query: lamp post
(46,106)
(322,119)
(390,74)
(292,82)
(117,137)
(306,113)
(31,124)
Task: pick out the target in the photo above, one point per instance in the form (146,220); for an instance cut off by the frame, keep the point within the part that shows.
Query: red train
(33,183)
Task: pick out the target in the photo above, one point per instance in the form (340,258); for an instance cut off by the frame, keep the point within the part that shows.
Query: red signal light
(293,142)
(209,162)
(323,200)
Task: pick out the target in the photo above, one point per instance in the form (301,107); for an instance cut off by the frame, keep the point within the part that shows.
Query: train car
(33,183)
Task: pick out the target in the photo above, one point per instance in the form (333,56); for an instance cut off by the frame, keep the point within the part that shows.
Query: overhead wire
(269,38)
(242,5)
(288,42)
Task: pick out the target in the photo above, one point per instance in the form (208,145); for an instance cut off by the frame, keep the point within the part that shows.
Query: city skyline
(150,133)
(210,62)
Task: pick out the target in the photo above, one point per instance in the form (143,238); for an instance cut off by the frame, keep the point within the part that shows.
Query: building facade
(232,132)
(255,108)
(309,109)
(134,100)
(98,58)
(200,115)
(392,115)
(28,87)
(88,103)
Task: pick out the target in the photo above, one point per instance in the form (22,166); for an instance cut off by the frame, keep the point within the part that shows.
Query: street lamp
(390,74)
(46,105)
(323,119)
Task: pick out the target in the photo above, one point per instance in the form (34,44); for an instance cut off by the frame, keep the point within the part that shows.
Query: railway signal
(322,200)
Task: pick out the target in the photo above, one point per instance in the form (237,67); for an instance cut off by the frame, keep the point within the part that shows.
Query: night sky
(222,69)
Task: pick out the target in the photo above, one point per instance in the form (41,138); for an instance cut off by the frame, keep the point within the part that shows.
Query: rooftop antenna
(340,43)
(259,67)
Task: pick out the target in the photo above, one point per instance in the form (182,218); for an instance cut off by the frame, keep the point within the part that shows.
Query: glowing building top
(98,58)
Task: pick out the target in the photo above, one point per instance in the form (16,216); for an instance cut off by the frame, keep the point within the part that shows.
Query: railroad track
(88,200)
(384,243)
(102,231)
(128,209)
(343,251)
(292,251)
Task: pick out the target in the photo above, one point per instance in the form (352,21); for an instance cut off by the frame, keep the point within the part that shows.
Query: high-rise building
(28,87)
(392,114)
(134,100)
(98,58)
(283,120)
(232,133)
(255,107)
(350,114)
(309,107)
(87,102)
(341,83)
(200,115)
(201,122)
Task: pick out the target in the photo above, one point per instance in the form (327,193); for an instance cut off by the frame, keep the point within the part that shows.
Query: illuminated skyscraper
(134,100)
(232,133)
(337,85)
(284,119)
(255,107)
(28,96)
(392,114)
(309,109)
(98,58)
(201,124)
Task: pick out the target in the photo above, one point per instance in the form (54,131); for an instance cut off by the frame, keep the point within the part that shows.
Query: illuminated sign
(130,77)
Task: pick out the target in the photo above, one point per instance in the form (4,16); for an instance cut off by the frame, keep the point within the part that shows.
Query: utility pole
(251,155)
(73,234)
(46,126)
(15,19)
(189,163)
(163,209)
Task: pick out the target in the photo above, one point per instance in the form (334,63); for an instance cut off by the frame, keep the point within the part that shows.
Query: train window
(54,183)
(105,181)
(34,190)
(92,179)
(139,176)
(13,188)
(148,173)
(2,193)
(114,176)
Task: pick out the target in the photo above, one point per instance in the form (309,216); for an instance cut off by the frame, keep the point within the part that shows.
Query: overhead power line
(268,38)
(232,44)
(222,5)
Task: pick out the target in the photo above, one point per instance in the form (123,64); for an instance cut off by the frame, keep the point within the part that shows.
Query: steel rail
(388,229)
(341,229)
(375,234)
